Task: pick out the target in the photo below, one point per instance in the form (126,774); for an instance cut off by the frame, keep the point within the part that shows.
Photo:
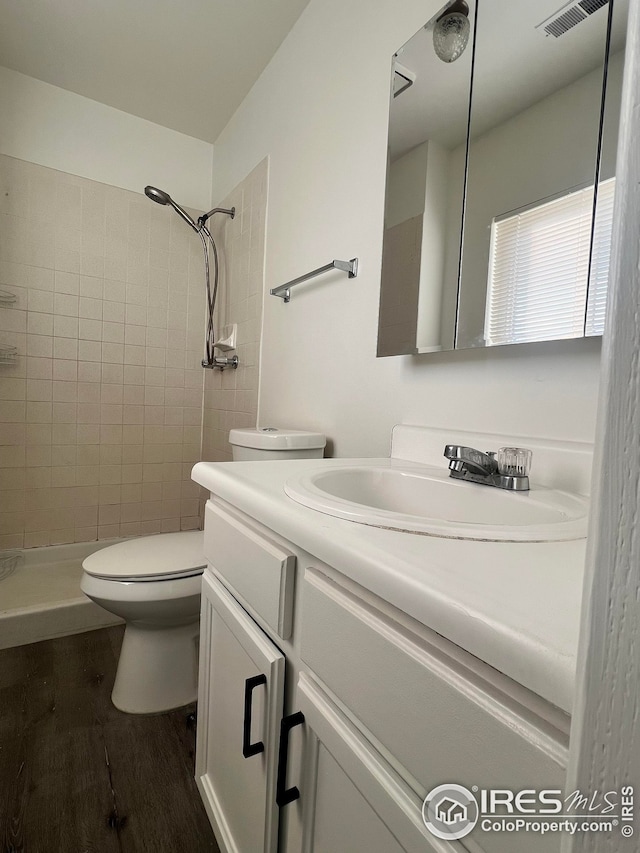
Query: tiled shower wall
(100,417)
(231,396)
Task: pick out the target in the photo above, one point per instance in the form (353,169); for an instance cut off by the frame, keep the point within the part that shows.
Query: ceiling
(183,64)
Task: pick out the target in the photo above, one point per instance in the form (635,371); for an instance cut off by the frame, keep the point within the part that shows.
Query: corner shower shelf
(7,298)
(8,354)
(283,290)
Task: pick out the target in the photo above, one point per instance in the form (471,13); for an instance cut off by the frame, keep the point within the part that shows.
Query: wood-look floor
(78,776)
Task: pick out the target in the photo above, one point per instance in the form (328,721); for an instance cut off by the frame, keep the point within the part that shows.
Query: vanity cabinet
(376,711)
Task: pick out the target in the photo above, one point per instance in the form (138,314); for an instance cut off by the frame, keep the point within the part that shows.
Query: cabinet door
(240,698)
(350,798)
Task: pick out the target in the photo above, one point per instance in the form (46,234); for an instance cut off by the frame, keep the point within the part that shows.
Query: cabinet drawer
(437,719)
(259,571)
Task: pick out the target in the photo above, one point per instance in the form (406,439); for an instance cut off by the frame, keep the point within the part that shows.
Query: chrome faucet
(506,469)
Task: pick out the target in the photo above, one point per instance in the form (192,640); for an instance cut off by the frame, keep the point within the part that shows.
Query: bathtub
(40,598)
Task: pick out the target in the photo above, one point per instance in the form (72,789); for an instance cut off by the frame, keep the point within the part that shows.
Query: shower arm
(162,197)
(229,212)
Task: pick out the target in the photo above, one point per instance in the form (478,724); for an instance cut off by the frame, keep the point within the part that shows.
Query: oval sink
(419,499)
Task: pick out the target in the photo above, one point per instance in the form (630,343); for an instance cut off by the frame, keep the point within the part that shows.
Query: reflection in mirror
(534,140)
(527,268)
(427,124)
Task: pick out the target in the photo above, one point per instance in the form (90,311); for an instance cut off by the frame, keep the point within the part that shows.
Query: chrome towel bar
(283,290)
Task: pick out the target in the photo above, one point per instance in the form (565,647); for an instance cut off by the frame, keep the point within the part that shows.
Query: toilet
(269,443)
(153,583)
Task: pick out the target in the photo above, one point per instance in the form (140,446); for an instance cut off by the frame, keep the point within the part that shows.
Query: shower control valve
(220,362)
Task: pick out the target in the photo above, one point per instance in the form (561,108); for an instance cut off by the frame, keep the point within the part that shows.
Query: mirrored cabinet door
(428,120)
(501,177)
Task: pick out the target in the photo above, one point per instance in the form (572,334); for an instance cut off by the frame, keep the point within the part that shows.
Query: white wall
(49,126)
(320,112)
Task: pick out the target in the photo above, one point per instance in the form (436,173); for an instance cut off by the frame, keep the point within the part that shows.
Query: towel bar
(283,290)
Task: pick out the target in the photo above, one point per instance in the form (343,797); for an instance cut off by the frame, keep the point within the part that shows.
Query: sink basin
(422,499)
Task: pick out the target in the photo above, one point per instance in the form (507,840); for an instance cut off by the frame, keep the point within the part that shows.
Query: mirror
(490,236)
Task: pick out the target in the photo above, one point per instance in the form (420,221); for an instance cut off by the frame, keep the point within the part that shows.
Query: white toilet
(255,445)
(153,583)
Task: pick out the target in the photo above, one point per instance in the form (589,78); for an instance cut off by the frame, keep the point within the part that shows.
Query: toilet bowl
(153,583)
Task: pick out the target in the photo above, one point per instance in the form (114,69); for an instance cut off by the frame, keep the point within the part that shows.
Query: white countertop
(516,606)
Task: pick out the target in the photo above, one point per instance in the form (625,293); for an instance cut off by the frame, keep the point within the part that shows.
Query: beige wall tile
(65,304)
(63,327)
(31,540)
(113,374)
(100,419)
(65,369)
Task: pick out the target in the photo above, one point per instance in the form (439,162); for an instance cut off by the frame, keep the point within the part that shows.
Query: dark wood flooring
(79,776)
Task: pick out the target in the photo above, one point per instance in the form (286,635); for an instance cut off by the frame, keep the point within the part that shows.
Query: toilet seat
(163,557)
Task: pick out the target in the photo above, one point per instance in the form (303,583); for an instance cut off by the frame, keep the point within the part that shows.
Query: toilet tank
(254,445)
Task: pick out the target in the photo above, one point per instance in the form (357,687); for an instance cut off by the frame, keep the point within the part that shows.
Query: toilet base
(158,668)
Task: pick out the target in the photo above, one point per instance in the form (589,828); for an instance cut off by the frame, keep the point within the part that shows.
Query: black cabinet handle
(248,748)
(286,795)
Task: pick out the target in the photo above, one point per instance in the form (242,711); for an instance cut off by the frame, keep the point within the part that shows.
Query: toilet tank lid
(146,556)
(270,438)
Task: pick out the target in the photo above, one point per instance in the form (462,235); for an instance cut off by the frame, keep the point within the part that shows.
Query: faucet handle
(514,461)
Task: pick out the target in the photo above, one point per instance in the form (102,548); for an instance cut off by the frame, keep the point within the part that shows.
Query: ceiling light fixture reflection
(451,32)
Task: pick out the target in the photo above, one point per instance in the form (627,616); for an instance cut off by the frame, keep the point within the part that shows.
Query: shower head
(161,197)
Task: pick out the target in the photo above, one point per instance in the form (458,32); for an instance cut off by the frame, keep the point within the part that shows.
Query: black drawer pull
(248,748)
(286,795)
